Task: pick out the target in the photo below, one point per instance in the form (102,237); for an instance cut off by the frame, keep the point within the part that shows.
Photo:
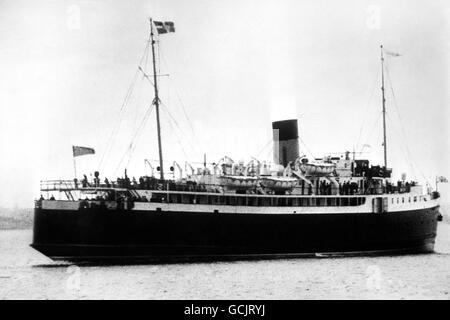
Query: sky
(228,71)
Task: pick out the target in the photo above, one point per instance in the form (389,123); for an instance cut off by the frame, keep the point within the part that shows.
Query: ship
(291,207)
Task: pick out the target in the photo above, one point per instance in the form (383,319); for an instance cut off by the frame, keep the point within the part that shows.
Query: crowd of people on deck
(320,187)
(326,188)
(349,188)
(144,182)
(353,188)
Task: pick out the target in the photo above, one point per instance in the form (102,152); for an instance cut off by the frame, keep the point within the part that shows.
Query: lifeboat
(317,169)
(279,183)
(239,182)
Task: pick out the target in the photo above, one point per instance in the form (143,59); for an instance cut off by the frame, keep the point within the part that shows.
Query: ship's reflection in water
(26,274)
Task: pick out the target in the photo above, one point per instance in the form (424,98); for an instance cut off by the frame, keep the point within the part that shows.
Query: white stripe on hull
(424,202)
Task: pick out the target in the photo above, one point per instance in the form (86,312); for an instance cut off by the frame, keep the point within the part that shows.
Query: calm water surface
(26,274)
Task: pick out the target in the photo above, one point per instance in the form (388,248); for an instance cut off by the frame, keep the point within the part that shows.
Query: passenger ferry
(292,207)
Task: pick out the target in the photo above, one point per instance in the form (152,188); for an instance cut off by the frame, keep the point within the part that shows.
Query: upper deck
(191,199)
(171,186)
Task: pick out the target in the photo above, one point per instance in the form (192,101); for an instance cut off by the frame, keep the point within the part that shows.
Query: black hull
(96,235)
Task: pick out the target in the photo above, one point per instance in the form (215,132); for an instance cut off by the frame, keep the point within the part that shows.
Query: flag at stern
(81,151)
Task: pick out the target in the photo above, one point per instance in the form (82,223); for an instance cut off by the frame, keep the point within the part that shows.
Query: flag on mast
(392,54)
(441,179)
(81,151)
(164,27)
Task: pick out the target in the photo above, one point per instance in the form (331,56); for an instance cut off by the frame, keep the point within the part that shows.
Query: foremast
(156,101)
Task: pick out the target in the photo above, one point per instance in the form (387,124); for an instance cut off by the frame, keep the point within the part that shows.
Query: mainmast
(156,101)
(384,109)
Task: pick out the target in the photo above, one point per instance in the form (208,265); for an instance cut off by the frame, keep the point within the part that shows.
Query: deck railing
(57,185)
(168,185)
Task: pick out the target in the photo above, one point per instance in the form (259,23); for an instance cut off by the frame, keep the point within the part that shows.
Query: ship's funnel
(285,141)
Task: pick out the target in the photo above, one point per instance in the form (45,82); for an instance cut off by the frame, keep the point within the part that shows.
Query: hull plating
(100,234)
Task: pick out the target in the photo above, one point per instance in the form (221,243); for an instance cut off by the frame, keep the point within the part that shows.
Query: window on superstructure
(252,201)
(202,199)
(260,201)
(214,200)
(415,198)
(186,199)
(176,198)
(320,202)
(403,200)
(344,202)
(157,197)
(273,202)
